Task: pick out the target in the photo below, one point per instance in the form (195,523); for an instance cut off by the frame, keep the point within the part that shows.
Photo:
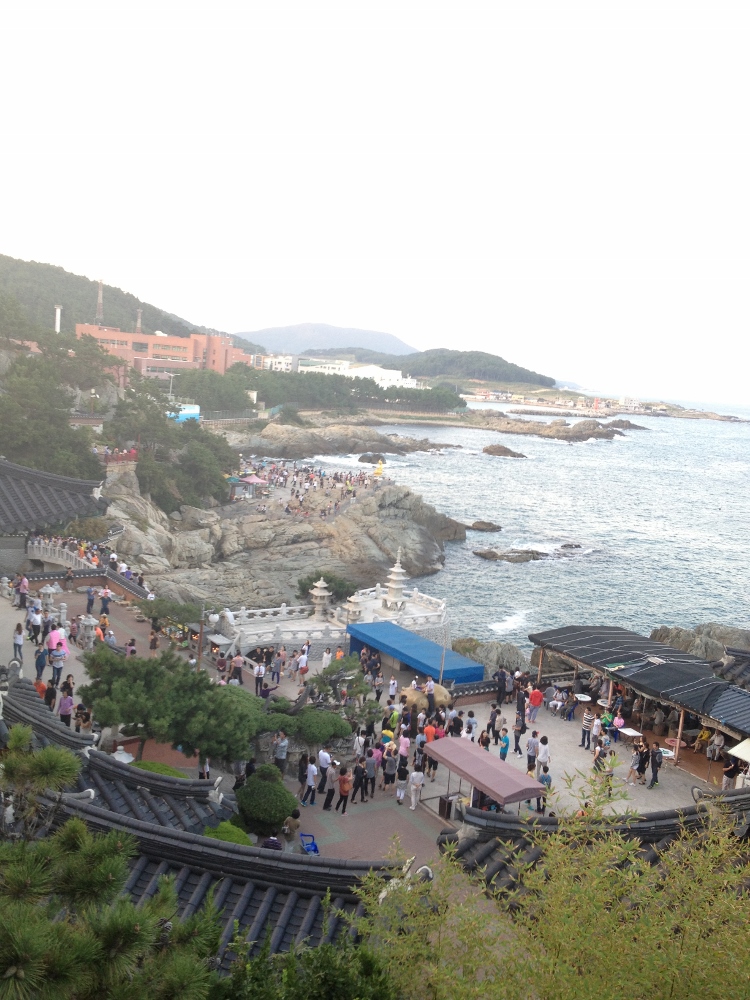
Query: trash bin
(445,806)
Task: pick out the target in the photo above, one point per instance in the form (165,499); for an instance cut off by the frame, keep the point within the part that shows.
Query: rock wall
(707,641)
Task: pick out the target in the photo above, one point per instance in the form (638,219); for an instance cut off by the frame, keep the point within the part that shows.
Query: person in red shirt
(40,686)
(535,701)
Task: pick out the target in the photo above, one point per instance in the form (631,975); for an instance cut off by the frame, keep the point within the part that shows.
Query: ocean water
(662,516)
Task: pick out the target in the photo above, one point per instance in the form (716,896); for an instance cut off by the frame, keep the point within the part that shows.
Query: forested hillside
(311,391)
(38,288)
(456,364)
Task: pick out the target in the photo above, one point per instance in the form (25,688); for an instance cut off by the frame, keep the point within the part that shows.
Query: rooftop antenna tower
(58,313)
(139,314)
(100,304)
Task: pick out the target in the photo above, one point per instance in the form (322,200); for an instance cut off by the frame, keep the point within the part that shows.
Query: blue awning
(413,651)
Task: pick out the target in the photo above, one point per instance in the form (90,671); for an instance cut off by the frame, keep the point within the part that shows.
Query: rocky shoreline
(243,556)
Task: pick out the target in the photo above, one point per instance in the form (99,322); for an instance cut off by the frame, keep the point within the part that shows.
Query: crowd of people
(100,555)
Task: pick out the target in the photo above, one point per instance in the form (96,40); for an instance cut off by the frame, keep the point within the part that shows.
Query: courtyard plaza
(370,829)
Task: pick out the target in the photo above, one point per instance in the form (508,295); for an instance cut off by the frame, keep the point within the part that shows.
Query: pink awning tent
(254,481)
(489,774)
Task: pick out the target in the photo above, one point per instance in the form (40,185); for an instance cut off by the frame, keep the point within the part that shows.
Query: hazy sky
(567,185)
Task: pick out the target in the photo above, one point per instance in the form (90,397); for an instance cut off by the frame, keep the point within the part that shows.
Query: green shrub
(279,704)
(316,726)
(274,721)
(339,587)
(229,832)
(264,802)
(156,768)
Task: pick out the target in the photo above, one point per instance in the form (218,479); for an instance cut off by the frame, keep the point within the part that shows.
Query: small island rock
(501,451)
(511,555)
(484,526)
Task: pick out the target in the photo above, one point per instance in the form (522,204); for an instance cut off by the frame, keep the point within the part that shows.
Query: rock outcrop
(241,556)
(483,526)
(501,451)
(706,641)
(511,555)
(293,442)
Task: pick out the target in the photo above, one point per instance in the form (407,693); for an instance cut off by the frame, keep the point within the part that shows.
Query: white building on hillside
(386,378)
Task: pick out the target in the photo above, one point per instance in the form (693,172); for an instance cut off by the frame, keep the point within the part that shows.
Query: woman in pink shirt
(65,709)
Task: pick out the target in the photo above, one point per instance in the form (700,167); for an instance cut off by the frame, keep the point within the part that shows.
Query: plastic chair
(308,843)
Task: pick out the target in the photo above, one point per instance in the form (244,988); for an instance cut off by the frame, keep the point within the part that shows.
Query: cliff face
(256,559)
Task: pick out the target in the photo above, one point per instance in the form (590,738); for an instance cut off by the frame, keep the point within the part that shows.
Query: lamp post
(213,618)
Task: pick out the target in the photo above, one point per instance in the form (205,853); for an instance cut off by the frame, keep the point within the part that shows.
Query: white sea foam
(512,623)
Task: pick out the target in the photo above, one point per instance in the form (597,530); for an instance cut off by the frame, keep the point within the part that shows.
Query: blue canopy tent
(414,652)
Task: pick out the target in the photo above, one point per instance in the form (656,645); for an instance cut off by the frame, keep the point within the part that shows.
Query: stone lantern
(353,608)
(321,597)
(88,627)
(46,591)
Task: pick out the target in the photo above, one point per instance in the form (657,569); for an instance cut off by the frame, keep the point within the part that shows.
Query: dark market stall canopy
(655,670)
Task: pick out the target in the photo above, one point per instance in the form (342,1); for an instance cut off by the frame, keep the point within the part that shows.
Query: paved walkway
(369,828)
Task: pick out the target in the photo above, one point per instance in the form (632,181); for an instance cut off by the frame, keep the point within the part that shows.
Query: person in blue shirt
(40,662)
(504,743)
(545,778)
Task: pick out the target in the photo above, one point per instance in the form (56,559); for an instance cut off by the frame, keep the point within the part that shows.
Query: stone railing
(46,552)
(243,614)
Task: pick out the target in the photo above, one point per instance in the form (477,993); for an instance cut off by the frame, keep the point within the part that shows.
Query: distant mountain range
(301,338)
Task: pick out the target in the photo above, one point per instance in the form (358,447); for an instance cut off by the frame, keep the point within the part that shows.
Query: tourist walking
(324,762)
(542,756)
(40,662)
(65,708)
(312,774)
(586,724)
(370,772)
(331,776)
(280,750)
(379,683)
(545,778)
(493,722)
(633,772)
(58,656)
(416,783)
(643,760)
(504,743)
(18,638)
(302,775)
(90,598)
(518,728)
(360,784)
(345,786)
(535,703)
(153,643)
(402,779)
(656,760)
(390,765)
(532,749)
(596,727)
(730,771)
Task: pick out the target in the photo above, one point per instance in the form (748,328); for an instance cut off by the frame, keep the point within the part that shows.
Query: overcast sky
(566,185)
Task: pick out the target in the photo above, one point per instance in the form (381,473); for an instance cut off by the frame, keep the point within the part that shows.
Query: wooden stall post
(679,737)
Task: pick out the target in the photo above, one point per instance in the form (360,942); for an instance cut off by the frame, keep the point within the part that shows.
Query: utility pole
(100,305)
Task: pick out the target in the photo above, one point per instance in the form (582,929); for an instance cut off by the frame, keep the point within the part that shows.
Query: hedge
(264,802)
(229,832)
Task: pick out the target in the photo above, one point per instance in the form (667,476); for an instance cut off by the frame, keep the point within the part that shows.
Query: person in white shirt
(259,672)
(312,773)
(416,781)
(359,746)
(324,762)
(429,690)
(325,660)
(415,684)
(392,686)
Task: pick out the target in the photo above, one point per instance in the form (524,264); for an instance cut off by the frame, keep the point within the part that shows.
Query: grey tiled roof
(32,499)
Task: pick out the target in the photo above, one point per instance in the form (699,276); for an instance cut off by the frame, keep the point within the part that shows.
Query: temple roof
(30,498)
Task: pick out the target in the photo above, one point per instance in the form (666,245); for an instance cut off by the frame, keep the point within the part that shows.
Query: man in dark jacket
(657,759)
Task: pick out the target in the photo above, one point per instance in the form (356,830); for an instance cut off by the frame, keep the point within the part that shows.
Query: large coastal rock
(707,641)
(290,441)
(245,557)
